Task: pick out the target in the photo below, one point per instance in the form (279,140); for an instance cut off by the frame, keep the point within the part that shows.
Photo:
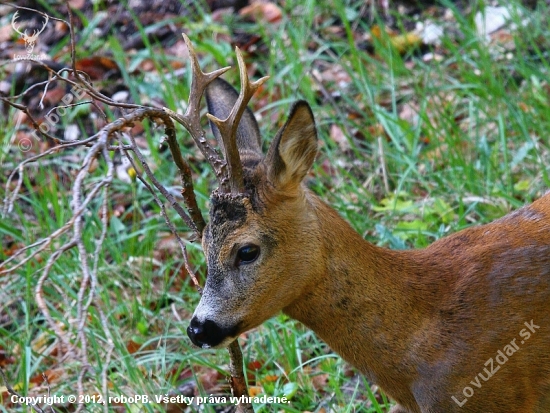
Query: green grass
(477,148)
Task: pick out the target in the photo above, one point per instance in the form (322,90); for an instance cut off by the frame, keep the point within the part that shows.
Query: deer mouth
(209,334)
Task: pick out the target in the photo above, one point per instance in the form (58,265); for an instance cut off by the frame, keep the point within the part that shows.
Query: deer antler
(13,19)
(37,32)
(191,120)
(228,129)
(228,173)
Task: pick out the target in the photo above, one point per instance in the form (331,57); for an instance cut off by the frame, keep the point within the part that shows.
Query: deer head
(258,221)
(30,41)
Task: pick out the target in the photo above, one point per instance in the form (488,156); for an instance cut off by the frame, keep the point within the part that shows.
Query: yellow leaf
(400,42)
(253,391)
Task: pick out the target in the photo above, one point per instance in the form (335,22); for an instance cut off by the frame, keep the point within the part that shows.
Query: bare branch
(72,337)
(34,123)
(14,393)
(73,41)
(45,377)
(9,200)
(161,205)
(237,379)
(187,190)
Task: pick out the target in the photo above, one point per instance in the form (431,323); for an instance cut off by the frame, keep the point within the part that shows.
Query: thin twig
(45,377)
(173,203)
(187,190)
(72,338)
(237,379)
(164,215)
(107,361)
(14,393)
(9,200)
(34,122)
(73,41)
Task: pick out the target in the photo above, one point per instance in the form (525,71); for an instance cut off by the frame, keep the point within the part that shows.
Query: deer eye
(247,254)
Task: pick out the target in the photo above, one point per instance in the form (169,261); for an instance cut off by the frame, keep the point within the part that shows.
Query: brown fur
(422,324)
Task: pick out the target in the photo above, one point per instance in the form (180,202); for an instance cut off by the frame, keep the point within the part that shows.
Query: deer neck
(364,303)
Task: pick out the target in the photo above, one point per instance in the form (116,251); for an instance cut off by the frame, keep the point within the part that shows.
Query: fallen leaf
(270,378)
(51,375)
(5,359)
(54,95)
(504,39)
(262,12)
(400,42)
(254,365)
(209,379)
(253,391)
(405,42)
(319,381)
(409,112)
(77,4)
(377,130)
(132,346)
(335,73)
(338,136)
(97,67)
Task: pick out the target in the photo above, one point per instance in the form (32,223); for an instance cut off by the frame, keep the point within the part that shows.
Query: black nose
(208,334)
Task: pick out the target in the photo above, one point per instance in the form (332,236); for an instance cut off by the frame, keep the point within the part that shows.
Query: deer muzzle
(209,334)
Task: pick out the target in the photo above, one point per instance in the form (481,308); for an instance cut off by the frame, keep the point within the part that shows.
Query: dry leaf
(525,107)
(406,42)
(377,130)
(51,376)
(254,365)
(209,379)
(5,359)
(409,112)
(338,136)
(132,346)
(253,391)
(400,42)
(270,378)
(97,67)
(263,12)
(54,95)
(335,73)
(319,381)
(77,4)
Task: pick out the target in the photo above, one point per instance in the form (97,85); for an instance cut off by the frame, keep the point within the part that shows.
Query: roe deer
(460,326)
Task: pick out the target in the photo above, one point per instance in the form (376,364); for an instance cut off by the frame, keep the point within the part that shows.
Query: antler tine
(13,19)
(191,119)
(228,129)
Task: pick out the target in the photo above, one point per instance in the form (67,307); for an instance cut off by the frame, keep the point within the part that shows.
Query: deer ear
(293,149)
(220,98)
